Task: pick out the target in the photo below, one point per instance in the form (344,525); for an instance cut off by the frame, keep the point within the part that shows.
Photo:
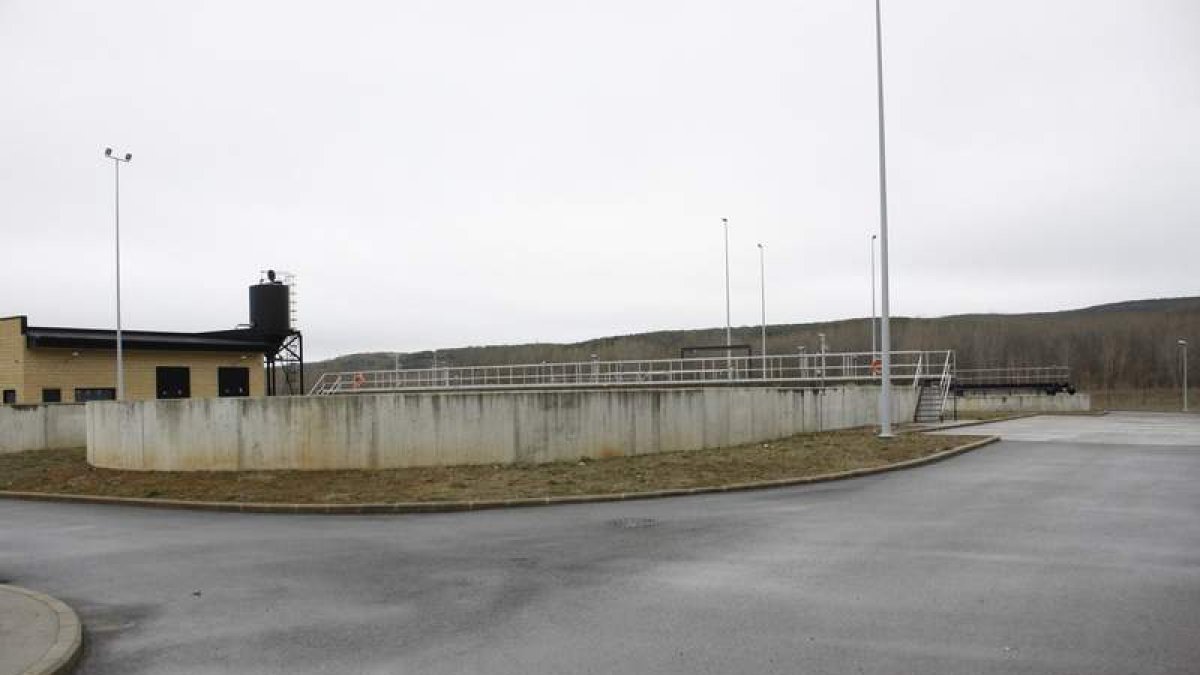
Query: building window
(52,396)
(172,382)
(10,396)
(233,381)
(96,394)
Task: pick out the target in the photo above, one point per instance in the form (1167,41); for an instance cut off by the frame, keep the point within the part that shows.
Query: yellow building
(52,365)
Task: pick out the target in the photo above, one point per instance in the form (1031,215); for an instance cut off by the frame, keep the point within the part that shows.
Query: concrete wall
(1016,403)
(39,427)
(438,429)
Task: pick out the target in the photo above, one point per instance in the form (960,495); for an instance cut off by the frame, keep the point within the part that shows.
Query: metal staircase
(935,389)
(929,404)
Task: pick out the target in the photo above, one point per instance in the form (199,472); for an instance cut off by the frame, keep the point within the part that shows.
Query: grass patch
(67,471)
(1149,400)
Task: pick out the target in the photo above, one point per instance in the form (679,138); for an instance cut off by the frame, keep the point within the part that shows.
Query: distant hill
(1114,346)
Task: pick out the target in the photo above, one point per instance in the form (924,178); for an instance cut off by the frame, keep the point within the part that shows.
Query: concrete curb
(454,506)
(975,423)
(1018,416)
(62,655)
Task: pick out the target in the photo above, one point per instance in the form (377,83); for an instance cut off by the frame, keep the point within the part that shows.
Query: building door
(233,381)
(172,382)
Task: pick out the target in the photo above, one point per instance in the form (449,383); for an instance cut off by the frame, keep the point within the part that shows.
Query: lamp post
(117,161)
(885,335)
(874,349)
(728,328)
(1183,344)
(823,347)
(821,392)
(762,276)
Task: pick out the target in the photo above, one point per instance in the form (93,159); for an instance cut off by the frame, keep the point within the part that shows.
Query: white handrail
(947,378)
(783,369)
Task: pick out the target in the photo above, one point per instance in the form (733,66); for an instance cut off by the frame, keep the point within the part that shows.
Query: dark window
(172,382)
(101,394)
(233,381)
(52,396)
(10,396)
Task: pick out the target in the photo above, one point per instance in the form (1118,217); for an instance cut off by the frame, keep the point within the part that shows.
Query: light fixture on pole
(728,326)
(885,334)
(762,276)
(1183,344)
(117,161)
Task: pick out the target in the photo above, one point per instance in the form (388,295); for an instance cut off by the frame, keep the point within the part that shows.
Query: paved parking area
(1054,556)
(1116,428)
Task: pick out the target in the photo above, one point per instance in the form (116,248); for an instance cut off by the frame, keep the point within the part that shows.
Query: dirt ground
(67,471)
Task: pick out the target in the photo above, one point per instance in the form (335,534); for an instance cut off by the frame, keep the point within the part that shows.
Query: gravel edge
(456,506)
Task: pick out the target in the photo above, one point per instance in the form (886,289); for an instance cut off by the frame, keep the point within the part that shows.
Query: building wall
(28,371)
(444,429)
(12,355)
(67,369)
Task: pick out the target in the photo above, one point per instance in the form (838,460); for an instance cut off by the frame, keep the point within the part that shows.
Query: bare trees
(1123,346)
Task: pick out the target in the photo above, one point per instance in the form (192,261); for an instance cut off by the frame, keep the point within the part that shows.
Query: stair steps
(929,405)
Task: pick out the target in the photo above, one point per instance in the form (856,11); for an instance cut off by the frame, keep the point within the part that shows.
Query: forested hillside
(1127,345)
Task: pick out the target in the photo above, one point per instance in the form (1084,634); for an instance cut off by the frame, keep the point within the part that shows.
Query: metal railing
(787,369)
(948,375)
(1020,376)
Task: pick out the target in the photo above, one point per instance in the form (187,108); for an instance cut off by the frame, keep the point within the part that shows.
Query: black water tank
(269,310)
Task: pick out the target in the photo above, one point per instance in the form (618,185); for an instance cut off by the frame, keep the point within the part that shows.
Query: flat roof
(240,340)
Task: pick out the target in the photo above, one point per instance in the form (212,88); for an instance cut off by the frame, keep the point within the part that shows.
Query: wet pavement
(1071,547)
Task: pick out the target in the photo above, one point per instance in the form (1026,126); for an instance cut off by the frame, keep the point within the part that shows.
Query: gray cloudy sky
(444,173)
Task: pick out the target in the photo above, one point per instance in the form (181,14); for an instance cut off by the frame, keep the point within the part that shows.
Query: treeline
(1129,345)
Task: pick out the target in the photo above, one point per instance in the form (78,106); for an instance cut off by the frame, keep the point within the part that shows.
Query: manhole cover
(633,523)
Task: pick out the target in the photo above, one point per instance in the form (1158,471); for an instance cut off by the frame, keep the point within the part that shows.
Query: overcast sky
(446,173)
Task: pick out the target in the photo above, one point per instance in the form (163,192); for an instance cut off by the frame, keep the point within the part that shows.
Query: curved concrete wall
(51,426)
(989,403)
(440,429)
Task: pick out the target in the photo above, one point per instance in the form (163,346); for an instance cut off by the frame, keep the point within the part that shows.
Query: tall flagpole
(885,333)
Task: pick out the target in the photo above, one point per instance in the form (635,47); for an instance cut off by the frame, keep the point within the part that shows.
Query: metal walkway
(806,370)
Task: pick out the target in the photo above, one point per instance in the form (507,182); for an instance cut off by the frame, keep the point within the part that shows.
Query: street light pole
(1184,344)
(762,276)
(874,349)
(728,326)
(117,161)
(885,335)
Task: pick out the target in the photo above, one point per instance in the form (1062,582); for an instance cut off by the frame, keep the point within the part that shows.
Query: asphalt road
(1031,556)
